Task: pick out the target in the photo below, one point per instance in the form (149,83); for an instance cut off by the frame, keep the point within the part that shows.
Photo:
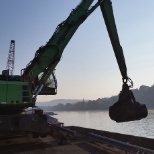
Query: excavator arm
(126,108)
(107,12)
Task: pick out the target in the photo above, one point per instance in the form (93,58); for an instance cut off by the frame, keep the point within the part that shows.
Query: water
(100,120)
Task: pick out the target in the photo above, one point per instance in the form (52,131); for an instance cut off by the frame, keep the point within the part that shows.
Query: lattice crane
(11,58)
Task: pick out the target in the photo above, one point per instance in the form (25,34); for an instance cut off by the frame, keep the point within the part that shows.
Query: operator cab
(50,87)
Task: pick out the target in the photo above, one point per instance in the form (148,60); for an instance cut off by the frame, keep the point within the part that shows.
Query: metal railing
(121,145)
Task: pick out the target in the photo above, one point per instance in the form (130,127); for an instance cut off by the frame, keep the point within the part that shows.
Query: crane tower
(11,58)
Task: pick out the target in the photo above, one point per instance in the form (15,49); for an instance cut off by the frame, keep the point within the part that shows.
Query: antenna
(11,58)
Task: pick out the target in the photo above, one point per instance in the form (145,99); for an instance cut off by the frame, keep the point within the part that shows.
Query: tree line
(143,95)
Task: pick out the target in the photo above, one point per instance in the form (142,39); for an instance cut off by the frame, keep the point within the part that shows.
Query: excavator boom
(48,56)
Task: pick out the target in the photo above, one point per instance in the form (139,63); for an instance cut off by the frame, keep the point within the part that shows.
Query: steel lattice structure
(11,58)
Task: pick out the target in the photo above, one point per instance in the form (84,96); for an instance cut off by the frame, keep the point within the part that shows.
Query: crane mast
(11,58)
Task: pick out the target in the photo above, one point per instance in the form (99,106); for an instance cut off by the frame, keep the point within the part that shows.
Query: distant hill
(143,95)
(57,101)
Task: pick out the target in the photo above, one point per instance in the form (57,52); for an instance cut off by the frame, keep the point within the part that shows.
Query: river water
(100,120)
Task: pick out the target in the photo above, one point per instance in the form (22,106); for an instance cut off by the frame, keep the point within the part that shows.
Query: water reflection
(100,120)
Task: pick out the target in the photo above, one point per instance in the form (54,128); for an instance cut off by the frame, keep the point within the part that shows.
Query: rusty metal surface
(25,144)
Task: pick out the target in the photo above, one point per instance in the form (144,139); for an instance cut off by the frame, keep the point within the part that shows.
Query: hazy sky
(88,68)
